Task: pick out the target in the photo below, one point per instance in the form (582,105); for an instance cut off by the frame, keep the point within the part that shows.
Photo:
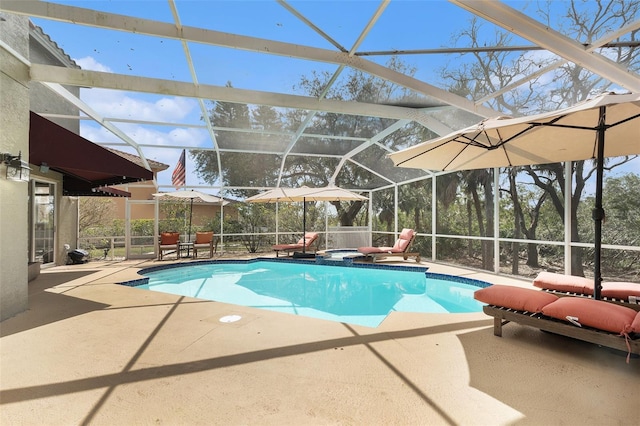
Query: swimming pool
(358,294)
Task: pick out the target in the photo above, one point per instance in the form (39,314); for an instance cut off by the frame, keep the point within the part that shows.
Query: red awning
(85,165)
(112,192)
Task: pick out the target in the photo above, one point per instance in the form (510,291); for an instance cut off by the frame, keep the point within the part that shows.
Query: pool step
(343,257)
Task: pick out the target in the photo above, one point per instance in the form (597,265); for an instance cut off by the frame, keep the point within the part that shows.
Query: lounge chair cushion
(169,238)
(566,283)
(308,238)
(581,285)
(203,237)
(620,290)
(635,325)
(406,234)
(286,246)
(370,250)
(592,313)
(518,298)
(403,241)
(400,246)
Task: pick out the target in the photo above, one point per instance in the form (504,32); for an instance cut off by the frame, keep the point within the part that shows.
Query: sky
(403,25)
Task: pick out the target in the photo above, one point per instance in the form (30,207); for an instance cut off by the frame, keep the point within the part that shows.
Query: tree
(482,179)
(475,188)
(526,208)
(485,72)
(269,129)
(254,218)
(621,201)
(234,164)
(95,211)
(176,214)
(621,197)
(414,200)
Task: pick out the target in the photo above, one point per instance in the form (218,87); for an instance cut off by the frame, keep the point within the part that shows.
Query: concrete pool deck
(90,351)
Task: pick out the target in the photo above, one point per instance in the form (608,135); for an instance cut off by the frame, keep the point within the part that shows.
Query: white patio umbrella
(193,195)
(570,134)
(304,194)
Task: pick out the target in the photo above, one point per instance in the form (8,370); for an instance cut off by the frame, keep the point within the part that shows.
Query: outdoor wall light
(17,168)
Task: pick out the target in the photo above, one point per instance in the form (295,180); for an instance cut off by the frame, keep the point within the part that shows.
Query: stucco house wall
(27,44)
(14,138)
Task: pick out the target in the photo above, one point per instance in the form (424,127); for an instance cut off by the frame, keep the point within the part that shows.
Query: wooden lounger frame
(292,249)
(502,316)
(404,255)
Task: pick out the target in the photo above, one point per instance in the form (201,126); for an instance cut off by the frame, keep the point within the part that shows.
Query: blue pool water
(355,295)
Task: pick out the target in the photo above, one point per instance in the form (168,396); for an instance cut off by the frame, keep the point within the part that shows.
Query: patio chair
(593,321)
(400,248)
(168,241)
(204,241)
(306,242)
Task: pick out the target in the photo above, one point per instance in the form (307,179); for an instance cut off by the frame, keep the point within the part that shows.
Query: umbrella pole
(190,215)
(598,211)
(304,223)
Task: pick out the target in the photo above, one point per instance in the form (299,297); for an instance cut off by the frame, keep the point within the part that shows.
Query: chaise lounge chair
(595,321)
(168,241)
(204,241)
(624,293)
(306,242)
(400,248)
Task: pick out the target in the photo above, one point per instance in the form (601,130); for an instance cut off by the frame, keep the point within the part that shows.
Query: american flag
(178,178)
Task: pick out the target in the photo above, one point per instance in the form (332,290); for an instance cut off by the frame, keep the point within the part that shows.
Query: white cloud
(158,136)
(145,107)
(128,105)
(148,135)
(90,64)
(125,105)
(97,134)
